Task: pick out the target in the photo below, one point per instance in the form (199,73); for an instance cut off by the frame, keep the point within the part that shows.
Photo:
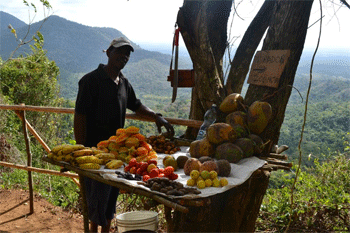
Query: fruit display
(237,137)
(128,143)
(203,179)
(169,187)
(150,170)
(161,144)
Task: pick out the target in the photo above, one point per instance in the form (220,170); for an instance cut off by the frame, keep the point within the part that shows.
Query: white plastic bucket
(137,220)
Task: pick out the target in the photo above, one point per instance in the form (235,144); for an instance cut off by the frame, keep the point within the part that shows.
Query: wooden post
(29,161)
(235,210)
(83,203)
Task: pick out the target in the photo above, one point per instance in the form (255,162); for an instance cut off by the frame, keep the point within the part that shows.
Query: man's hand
(160,121)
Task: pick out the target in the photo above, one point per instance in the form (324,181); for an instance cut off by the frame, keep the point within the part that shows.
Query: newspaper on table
(240,172)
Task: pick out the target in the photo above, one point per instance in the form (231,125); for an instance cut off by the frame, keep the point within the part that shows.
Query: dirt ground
(14,215)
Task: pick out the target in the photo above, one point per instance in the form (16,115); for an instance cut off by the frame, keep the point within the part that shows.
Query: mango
(258,116)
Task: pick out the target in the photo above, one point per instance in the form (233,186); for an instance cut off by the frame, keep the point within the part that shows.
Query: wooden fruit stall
(214,209)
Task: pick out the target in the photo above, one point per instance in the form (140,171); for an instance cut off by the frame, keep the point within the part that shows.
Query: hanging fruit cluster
(127,144)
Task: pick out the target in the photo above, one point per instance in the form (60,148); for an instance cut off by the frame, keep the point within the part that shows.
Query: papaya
(229,151)
(218,133)
(231,103)
(258,116)
(200,148)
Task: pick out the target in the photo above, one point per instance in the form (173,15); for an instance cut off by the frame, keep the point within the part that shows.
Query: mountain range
(78,49)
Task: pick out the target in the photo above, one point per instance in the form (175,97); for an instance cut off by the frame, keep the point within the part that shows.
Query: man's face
(118,57)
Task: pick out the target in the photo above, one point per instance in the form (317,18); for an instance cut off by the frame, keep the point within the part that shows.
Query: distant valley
(77,49)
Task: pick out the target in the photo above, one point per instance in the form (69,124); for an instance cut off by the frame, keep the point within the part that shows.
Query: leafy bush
(321,199)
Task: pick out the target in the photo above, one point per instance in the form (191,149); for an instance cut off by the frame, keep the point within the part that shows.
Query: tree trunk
(287,32)
(203,26)
(247,47)
(236,210)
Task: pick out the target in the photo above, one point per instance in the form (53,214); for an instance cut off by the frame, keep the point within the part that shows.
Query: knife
(176,71)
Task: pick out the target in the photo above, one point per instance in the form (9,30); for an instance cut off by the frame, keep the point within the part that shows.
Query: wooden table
(166,201)
(234,210)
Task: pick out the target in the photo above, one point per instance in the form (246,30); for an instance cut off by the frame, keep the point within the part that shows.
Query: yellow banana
(105,156)
(55,149)
(96,151)
(114,164)
(88,159)
(89,166)
(50,155)
(70,148)
(82,152)
(59,158)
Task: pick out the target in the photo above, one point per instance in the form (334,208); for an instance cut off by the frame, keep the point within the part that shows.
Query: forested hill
(6,19)
(78,49)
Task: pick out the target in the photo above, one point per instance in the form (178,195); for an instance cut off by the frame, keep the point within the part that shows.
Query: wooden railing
(20,111)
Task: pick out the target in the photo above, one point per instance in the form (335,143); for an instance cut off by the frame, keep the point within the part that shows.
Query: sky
(151,22)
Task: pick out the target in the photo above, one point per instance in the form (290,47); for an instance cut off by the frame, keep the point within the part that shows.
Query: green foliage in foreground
(321,199)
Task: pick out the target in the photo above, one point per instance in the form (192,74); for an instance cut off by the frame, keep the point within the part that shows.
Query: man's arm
(149,114)
(80,128)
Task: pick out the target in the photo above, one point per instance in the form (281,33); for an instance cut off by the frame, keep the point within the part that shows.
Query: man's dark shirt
(104,103)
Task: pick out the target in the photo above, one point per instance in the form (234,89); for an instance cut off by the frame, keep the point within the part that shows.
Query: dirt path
(14,210)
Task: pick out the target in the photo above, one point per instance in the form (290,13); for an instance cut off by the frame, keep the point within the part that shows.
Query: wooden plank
(267,67)
(132,116)
(39,170)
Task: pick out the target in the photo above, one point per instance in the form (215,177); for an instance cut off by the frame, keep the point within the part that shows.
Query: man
(103,97)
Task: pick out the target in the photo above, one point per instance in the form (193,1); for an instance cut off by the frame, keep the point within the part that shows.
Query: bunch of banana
(89,162)
(88,159)
(64,152)
(82,152)
(105,156)
(114,164)
(90,166)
